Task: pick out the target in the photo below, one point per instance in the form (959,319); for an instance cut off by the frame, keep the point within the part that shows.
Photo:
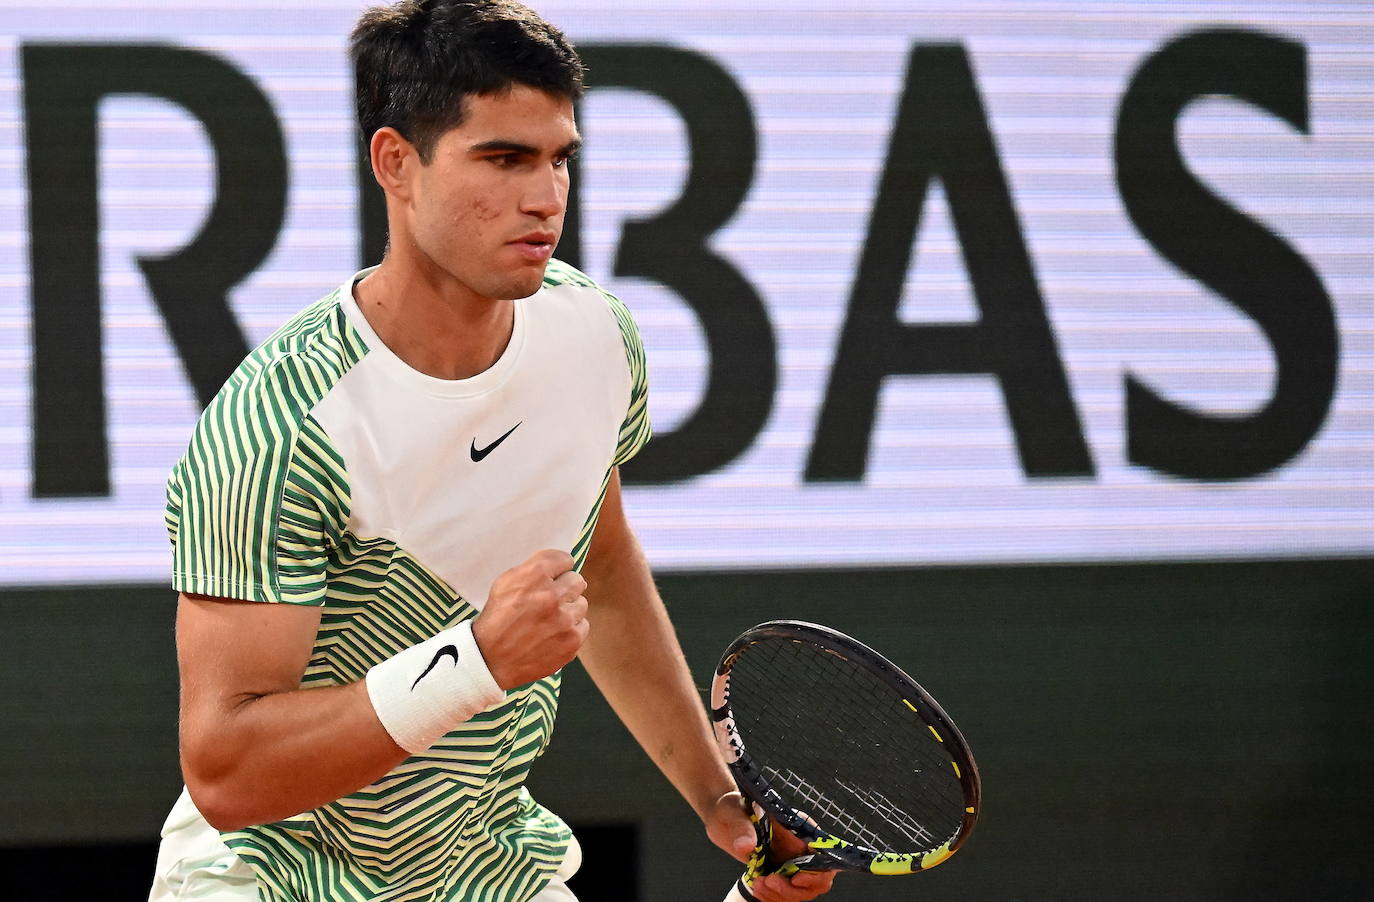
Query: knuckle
(555,560)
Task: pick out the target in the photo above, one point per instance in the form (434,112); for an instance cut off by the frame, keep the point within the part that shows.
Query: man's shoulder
(560,276)
(558,273)
(318,335)
(283,379)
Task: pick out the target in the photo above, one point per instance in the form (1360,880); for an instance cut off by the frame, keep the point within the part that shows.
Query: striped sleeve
(261,495)
(636,429)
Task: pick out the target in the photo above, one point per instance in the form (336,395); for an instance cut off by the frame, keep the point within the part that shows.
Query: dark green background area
(1180,731)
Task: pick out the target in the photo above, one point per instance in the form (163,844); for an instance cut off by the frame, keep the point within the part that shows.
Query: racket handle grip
(739,894)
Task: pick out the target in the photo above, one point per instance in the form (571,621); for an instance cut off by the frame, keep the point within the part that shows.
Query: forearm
(262,758)
(633,655)
(257,748)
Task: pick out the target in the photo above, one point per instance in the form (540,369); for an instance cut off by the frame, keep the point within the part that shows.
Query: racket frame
(827,851)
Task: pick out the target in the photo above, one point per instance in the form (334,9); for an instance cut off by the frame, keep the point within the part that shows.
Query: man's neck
(434,324)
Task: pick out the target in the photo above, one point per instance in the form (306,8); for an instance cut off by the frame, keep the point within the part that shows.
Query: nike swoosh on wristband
(478,453)
(446,650)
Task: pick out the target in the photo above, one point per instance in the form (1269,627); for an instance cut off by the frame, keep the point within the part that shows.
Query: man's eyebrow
(502,145)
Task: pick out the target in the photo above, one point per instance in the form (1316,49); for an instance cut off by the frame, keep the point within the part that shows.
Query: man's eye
(504,161)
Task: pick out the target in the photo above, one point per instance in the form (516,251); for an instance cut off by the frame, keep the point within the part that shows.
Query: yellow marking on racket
(933,733)
(935,856)
(969,810)
(957,772)
(910,705)
(897,864)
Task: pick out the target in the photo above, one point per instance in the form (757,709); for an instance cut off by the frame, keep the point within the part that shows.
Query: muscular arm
(633,656)
(255,748)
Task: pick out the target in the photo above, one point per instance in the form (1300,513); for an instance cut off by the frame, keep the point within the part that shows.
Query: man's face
(488,208)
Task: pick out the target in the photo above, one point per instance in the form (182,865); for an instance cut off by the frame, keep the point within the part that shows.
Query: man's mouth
(535,239)
(535,246)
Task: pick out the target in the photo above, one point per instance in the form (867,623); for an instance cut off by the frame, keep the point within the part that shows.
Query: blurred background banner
(1032,342)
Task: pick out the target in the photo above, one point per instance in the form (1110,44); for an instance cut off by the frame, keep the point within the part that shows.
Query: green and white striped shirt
(328,472)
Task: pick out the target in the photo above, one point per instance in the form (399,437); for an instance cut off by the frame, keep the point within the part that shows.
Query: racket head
(844,749)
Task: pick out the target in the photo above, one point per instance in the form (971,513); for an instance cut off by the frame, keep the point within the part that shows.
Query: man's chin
(528,282)
(509,284)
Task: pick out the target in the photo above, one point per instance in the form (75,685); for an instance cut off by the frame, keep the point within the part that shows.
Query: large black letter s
(1232,254)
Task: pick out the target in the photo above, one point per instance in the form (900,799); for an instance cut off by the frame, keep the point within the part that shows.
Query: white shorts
(194,864)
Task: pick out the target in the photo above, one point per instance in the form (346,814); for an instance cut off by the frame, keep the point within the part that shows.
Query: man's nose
(546,194)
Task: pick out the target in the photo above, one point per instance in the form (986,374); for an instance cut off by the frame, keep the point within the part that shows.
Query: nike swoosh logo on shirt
(446,650)
(479,453)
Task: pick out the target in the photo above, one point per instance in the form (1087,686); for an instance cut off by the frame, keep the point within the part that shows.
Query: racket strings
(809,798)
(807,715)
(880,803)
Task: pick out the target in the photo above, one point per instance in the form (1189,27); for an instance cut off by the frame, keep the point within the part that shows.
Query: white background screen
(942,481)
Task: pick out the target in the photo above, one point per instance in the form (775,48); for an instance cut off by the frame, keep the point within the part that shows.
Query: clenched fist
(535,619)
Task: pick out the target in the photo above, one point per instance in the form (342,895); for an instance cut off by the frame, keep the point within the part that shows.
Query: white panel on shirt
(406,440)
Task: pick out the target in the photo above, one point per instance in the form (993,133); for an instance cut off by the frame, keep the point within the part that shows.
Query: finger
(576,609)
(761,892)
(775,889)
(569,585)
(813,880)
(551,561)
(804,885)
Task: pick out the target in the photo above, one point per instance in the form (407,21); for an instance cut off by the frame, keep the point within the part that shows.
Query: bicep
(232,651)
(246,724)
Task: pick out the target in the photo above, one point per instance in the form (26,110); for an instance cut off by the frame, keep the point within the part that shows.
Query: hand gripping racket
(843,749)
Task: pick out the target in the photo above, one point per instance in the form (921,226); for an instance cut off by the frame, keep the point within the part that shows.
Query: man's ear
(394,161)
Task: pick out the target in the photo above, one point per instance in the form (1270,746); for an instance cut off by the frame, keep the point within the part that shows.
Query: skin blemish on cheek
(484,211)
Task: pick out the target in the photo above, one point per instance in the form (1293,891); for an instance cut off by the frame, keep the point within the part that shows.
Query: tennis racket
(842,748)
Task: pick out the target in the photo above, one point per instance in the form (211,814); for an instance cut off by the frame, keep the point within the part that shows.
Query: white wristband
(423,692)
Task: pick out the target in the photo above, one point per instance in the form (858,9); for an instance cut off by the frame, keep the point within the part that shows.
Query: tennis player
(401,517)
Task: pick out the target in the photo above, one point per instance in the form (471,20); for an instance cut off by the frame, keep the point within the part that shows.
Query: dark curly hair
(415,63)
